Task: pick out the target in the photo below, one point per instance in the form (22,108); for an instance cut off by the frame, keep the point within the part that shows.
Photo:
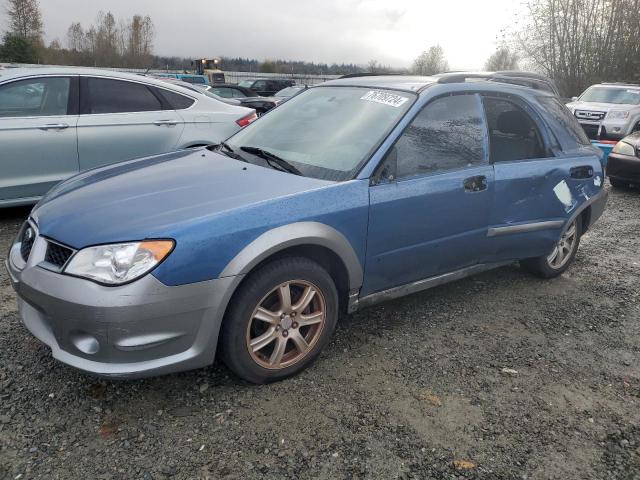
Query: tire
(548,266)
(615,183)
(260,320)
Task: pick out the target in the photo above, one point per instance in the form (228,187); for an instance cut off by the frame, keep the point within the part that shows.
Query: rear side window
(120,96)
(448,134)
(35,97)
(513,135)
(572,132)
(177,101)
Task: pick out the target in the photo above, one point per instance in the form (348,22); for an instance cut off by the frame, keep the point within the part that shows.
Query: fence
(230,77)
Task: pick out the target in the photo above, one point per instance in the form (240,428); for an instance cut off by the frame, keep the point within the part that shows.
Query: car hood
(633,139)
(152,197)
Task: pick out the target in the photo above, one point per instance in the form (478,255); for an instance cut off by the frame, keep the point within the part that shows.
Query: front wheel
(280,320)
(558,260)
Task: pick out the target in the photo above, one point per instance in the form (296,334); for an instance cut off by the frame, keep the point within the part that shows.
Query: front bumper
(624,167)
(141,329)
(605,129)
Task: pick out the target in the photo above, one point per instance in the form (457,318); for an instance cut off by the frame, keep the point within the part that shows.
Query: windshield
(246,83)
(623,96)
(326,132)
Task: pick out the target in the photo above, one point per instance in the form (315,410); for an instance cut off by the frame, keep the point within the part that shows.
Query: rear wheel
(558,260)
(280,320)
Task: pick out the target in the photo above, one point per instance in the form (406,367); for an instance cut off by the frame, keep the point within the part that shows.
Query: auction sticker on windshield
(385,98)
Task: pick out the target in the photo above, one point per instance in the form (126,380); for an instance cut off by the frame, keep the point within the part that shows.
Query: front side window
(120,96)
(325,132)
(448,134)
(513,135)
(35,97)
(260,85)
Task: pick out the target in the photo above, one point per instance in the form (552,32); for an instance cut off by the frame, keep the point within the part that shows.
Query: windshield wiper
(228,151)
(272,159)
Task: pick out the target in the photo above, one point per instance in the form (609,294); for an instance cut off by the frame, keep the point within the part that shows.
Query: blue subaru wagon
(353,192)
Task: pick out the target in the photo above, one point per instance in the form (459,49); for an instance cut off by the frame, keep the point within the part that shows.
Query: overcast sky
(391,31)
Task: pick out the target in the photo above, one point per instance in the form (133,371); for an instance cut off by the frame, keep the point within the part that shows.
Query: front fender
(295,234)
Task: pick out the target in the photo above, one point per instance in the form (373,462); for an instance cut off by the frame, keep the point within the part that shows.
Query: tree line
(575,42)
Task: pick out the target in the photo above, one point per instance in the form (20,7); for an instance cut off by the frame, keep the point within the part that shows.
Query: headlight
(120,262)
(623,148)
(613,114)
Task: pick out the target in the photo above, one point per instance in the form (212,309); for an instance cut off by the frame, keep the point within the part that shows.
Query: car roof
(16,73)
(396,82)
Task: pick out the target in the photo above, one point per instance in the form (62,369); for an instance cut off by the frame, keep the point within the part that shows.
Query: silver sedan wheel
(286,324)
(563,250)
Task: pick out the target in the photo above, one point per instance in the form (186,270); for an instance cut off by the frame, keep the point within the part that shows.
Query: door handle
(583,171)
(475,184)
(168,123)
(54,126)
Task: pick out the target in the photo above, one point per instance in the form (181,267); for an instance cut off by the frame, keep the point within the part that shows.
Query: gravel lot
(413,388)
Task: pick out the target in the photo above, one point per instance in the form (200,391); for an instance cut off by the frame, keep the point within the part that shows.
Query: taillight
(246,120)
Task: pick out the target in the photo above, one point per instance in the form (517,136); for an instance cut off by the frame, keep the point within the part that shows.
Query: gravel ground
(414,388)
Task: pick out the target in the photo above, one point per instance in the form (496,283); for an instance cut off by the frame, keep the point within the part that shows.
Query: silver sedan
(55,122)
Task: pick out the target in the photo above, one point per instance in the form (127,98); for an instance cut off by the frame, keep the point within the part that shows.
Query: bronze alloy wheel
(561,253)
(286,324)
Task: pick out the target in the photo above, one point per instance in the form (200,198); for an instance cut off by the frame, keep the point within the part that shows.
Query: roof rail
(624,84)
(525,79)
(461,77)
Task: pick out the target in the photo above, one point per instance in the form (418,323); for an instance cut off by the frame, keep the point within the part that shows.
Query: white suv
(608,110)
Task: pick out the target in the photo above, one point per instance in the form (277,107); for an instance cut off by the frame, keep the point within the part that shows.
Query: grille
(586,115)
(57,254)
(26,241)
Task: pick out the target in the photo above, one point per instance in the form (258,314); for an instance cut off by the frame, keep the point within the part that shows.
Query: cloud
(313,30)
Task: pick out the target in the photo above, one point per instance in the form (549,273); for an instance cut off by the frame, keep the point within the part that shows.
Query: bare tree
(580,42)
(430,62)
(25,19)
(502,59)
(76,41)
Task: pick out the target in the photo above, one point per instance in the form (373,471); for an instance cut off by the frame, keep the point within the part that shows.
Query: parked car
(55,122)
(287,93)
(623,167)
(245,96)
(353,192)
(186,77)
(228,90)
(201,90)
(608,110)
(266,87)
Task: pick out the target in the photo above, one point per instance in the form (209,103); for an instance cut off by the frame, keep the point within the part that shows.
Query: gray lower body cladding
(137,330)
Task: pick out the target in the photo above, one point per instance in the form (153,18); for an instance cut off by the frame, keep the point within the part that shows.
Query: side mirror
(574,99)
(387,171)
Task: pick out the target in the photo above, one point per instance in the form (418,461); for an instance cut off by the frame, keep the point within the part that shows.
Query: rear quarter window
(177,101)
(566,128)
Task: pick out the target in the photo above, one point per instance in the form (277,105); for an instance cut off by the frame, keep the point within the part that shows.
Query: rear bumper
(141,329)
(624,167)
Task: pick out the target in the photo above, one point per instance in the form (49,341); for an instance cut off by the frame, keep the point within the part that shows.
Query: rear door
(430,214)
(38,142)
(121,120)
(537,186)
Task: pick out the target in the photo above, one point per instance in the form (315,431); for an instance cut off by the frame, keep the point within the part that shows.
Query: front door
(431,216)
(38,145)
(121,120)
